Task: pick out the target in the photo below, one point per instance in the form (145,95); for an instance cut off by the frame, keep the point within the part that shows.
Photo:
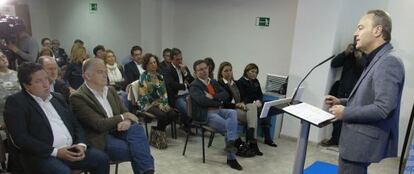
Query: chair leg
(210,141)
(172,129)
(175,130)
(185,145)
(146,129)
(116,168)
(202,140)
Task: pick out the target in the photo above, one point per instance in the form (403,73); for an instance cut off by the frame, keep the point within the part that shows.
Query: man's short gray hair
(41,60)
(88,63)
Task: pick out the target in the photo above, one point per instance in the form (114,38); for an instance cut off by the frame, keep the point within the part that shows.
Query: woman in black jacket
(251,93)
(246,113)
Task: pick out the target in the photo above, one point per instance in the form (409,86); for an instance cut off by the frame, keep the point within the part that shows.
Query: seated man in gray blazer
(47,137)
(370,115)
(207,97)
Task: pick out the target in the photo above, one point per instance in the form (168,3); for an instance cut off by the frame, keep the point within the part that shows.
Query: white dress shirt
(181,81)
(140,69)
(103,100)
(61,135)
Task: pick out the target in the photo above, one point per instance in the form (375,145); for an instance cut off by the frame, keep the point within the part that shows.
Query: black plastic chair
(197,125)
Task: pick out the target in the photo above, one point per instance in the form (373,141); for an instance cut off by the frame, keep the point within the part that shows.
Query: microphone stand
(304,130)
(300,83)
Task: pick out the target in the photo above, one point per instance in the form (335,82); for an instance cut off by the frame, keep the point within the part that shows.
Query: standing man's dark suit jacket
(30,129)
(200,103)
(60,87)
(173,83)
(92,116)
(131,72)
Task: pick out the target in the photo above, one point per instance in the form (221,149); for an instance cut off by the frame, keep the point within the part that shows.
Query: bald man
(50,65)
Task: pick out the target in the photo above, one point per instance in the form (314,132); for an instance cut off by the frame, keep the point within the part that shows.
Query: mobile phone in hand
(74,149)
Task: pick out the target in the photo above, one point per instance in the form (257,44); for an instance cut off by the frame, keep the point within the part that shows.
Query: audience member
(115,71)
(153,98)
(134,68)
(50,66)
(165,64)
(99,52)
(207,97)
(46,51)
(108,126)
(352,65)
(8,85)
(211,65)
(246,113)
(46,43)
(59,53)
(73,74)
(251,93)
(47,135)
(178,79)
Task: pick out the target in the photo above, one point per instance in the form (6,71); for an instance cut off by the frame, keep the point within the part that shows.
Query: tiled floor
(275,160)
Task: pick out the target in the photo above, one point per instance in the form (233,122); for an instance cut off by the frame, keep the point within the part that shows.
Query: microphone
(300,83)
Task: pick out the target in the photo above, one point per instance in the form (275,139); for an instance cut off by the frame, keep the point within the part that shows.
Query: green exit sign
(262,21)
(93,7)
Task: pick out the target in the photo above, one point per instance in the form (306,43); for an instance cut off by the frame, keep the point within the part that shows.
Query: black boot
(234,164)
(255,148)
(267,139)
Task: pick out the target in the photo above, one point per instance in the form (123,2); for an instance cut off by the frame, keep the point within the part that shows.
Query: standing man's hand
(337,110)
(331,100)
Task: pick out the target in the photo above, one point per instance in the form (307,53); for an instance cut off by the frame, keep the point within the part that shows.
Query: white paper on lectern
(309,113)
(267,105)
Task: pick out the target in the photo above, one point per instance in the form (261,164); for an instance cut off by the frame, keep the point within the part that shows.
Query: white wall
(39,17)
(116,25)
(225,30)
(313,41)
(401,13)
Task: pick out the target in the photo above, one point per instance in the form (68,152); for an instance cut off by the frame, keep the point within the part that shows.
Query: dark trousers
(336,133)
(352,167)
(164,118)
(95,161)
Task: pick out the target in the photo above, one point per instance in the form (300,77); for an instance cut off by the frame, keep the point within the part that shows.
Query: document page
(309,113)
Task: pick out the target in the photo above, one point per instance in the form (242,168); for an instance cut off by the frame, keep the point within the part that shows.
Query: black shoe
(245,151)
(234,164)
(270,143)
(255,148)
(328,143)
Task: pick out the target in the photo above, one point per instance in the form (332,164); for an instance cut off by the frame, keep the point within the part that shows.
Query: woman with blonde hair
(115,71)
(73,74)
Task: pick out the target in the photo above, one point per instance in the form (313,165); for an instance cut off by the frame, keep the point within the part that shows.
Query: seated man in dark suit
(107,123)
(178,80)
(208,96)
(134,68)
(42,127)
(51,67)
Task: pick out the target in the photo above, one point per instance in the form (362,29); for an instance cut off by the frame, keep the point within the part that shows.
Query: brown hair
(249,67)
(220,69)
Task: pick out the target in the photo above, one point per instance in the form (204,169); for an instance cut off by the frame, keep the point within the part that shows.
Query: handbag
(158,138)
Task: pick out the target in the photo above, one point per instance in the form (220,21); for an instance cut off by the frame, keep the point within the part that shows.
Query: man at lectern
(371,112)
